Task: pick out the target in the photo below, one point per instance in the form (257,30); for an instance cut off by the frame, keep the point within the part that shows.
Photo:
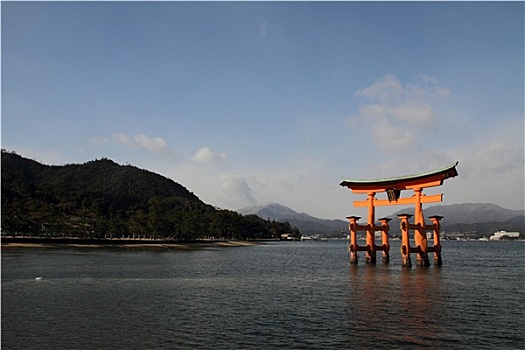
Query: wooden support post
(384,239)
(370,233)
(352,248)
(437,243)
(405,242)
(420,233)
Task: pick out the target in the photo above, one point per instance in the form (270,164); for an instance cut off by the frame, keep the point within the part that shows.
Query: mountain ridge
(480,217)
(306,223)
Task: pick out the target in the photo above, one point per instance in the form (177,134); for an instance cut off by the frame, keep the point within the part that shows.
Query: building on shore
(504,235)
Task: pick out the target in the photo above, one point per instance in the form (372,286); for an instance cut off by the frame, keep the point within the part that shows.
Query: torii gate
(393,187)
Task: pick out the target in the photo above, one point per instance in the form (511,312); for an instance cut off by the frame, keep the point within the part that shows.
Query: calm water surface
(282,295)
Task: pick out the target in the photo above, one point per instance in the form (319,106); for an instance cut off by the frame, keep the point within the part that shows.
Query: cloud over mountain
(152,144)
(397,113)
(205,156)
(237,189)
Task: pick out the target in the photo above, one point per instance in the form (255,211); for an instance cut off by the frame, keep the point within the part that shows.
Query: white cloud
(391,138)
(156,145)
(384,89)
(399,114)
(237,190)
(490,171)
(206,156)
(120,137)
(153,144)
(414,112)
(493,158)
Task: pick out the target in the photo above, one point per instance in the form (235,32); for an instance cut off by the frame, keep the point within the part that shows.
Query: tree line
(102,199)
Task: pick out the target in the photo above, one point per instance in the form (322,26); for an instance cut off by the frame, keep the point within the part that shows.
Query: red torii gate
(393,187)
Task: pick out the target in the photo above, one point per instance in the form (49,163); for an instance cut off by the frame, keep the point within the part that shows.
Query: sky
(250,103)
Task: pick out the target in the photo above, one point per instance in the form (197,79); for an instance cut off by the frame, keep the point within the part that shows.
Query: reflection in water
(421,301)
(401,305)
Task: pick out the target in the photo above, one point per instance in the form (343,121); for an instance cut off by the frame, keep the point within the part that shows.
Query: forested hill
(99,177)
(104,199)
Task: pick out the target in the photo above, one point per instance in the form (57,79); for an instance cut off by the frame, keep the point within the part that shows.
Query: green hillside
(102,199)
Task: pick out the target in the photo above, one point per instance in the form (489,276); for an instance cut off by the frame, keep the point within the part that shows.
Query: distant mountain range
(307,224)
(483,218)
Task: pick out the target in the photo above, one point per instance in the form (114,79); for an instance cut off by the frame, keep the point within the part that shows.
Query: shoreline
(35,242)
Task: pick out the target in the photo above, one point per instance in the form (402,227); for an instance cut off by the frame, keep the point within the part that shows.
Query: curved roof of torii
(400,182)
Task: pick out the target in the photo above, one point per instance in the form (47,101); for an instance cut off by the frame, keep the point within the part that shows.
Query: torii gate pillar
(405,240)
(370,232)
(420,233)
(437,243)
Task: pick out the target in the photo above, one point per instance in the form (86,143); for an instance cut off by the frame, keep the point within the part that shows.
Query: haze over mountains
(484,218)
(307,224)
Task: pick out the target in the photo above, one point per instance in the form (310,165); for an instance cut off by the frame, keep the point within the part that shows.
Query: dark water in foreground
(296,295)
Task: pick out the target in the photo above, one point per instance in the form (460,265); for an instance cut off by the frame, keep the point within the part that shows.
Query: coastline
(35,242)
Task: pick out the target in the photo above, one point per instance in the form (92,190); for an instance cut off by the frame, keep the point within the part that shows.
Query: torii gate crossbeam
(393,187)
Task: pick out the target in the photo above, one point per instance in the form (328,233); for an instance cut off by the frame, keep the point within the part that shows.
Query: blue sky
(246,103)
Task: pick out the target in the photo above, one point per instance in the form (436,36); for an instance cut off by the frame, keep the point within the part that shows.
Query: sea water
(279,295)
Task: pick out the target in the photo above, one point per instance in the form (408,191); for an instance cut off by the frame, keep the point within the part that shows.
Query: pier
(393,188)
